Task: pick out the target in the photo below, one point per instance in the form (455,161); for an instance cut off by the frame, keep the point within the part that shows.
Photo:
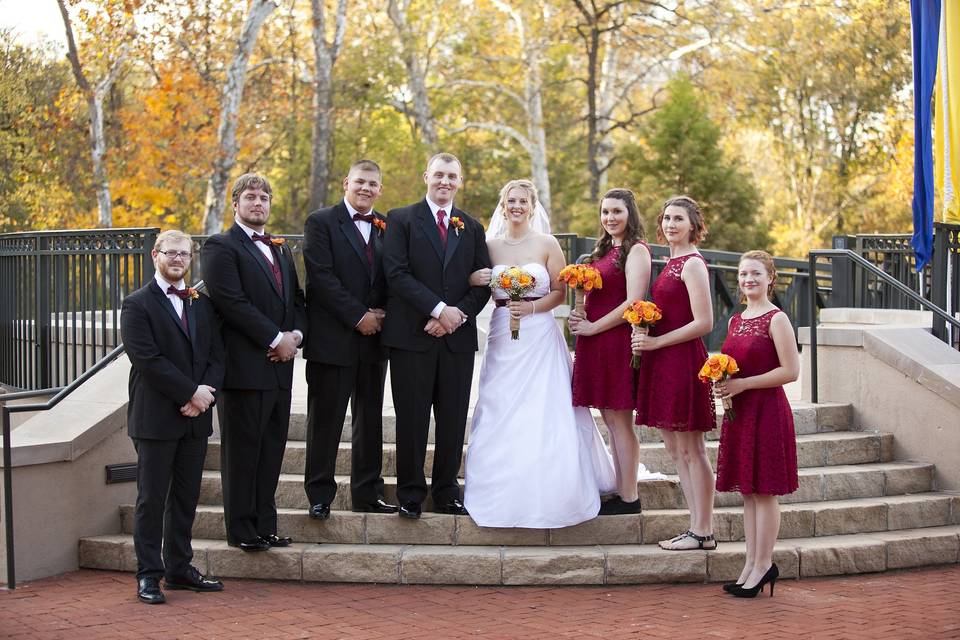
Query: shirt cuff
(437,310)
(276,340)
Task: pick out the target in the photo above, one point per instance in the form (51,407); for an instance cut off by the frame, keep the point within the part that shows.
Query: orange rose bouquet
(641,314)
(581,278)
(516,283)
(717,369)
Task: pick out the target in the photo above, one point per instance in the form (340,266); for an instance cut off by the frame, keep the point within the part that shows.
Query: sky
(32,20)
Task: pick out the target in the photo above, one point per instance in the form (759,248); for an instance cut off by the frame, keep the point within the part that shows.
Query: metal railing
(880,282)
(60,296)
(59,394)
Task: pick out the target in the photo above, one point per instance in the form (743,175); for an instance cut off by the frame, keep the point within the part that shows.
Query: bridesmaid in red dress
(669,395)
(758,449)
(602,376)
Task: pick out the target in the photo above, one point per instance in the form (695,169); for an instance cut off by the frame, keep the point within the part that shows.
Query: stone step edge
(596,565)
(799,520)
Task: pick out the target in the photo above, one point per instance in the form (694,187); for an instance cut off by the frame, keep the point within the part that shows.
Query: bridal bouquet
(581,278)
(717,369)
(516,283)
(641,314)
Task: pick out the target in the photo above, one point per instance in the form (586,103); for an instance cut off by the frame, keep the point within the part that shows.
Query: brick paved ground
(98,604)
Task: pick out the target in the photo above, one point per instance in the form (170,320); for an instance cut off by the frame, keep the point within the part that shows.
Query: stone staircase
(857,510)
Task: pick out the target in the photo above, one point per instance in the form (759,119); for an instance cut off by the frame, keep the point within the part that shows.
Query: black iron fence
(60,291)
(60,295)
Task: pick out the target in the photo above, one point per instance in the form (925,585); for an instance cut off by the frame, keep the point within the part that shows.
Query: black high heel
(728,587)
(770,576)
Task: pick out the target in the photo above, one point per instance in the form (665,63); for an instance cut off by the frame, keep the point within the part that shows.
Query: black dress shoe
(410,510)
(277,541)
(320,511)
(453,508)
(148,590)
(251,545)
(194,581)
(378,506)
(616,506)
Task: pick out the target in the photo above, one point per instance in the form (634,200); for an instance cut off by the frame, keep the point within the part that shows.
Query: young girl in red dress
(669,395)
(602,376)
(758,451)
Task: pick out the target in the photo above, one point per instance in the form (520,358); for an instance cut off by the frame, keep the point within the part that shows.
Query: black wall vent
(126,472)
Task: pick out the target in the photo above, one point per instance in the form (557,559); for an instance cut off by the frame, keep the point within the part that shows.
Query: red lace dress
(669,394)
(602,376)
(758,448)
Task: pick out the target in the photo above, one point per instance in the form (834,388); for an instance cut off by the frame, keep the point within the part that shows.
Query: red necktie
(184,295)
(441,214)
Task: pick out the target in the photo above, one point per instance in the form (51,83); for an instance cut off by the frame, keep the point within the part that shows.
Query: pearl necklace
(506,239)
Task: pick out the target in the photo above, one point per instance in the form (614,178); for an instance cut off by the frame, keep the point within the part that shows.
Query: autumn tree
(681,155)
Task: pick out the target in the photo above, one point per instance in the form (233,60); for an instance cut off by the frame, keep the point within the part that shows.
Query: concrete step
(808,418)
(813,450)
(536,565)
(823,483)
(801,520)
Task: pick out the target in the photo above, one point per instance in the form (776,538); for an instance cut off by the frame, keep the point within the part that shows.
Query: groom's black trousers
(440,378)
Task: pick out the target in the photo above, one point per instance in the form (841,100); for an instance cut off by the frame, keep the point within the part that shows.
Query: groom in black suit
(253,285)
(172,338)
(430,250)
(346,296)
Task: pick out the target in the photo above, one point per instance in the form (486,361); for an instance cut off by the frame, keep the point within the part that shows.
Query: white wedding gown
(534,460)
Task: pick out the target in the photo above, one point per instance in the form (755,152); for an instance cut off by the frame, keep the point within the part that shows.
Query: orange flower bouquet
(581,278)
(516,283)
(641,314)
(717,369)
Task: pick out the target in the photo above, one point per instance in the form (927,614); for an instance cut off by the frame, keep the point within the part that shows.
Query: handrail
(59,394)
(879,273)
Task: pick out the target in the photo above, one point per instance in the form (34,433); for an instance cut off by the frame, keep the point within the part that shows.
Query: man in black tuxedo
(172,338)
(254,286)
(346,296)
(430,250)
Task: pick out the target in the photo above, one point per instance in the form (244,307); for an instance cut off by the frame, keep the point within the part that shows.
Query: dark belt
(502,302)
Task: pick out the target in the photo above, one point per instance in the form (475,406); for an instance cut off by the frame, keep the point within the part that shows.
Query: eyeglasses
(171,254)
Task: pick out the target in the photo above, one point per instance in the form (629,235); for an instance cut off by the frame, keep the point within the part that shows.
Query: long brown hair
(633,234)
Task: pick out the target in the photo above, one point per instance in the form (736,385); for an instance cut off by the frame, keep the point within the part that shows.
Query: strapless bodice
(537,270)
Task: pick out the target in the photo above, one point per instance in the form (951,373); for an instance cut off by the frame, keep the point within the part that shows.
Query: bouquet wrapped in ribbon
(581,278)
(516,283)
(717,369)
(641,314)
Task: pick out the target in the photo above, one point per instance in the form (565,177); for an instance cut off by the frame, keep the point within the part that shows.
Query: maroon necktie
(184,295)
(368,217)
(267,239)
(441,214)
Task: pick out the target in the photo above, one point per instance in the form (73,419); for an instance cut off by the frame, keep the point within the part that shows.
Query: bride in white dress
(534,460)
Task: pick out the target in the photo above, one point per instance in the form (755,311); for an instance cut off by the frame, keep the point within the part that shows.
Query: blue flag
(925,17)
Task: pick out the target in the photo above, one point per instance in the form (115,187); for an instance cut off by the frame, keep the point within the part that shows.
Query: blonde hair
(524,184)
(766,260)
(171,235)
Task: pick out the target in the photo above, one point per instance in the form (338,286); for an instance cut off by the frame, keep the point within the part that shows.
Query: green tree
(681,154)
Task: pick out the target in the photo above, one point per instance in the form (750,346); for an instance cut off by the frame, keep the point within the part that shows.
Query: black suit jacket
(167,364)
(252,308)
(341,285)
(420,274)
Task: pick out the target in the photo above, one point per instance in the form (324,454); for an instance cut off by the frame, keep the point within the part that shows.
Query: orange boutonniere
(192,294)
(457,224)
(276,241)
(381,225)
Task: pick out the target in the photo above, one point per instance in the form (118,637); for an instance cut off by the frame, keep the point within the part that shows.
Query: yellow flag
(946,118)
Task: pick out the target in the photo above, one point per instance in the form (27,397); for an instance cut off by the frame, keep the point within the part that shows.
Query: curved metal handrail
(912,295)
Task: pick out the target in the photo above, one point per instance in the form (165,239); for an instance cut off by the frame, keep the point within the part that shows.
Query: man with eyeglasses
(254,286)
(172,338)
